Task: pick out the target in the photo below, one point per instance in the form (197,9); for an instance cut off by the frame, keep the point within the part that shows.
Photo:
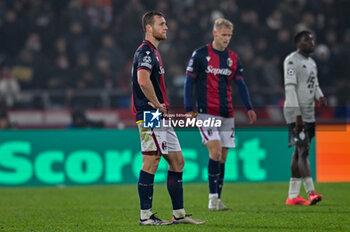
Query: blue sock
(213,173)
(221,178)
(145,188)
(175,189)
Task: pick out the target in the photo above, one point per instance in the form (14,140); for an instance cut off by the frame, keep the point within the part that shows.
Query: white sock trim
(309,185)
(294,187)
(179,213)
(145,213)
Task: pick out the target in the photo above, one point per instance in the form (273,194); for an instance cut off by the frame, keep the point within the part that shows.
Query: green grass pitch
(256,207)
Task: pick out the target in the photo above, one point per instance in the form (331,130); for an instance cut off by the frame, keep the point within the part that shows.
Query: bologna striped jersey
(148,58)
(214,71)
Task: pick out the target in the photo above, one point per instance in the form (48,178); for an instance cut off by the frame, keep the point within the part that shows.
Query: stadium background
(66,64)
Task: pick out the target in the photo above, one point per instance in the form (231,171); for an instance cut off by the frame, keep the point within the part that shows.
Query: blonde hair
(221,22)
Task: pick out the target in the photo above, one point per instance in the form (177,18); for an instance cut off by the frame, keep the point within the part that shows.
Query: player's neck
(153,40)
(306,55)
(217,47)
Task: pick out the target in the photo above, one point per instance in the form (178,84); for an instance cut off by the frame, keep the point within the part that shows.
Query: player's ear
(148,28)
(214,33)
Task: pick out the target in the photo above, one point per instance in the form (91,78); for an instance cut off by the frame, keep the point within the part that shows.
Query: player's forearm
(188,89)
(150,94)
(244,93)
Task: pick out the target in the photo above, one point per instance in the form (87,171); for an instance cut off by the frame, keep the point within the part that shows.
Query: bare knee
(177,165)
(215,149)
(150,164)
(181,163)
(215,155)
(303,152)
(176,161)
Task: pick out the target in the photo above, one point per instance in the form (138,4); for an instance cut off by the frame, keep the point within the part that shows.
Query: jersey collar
(217,51)
(149,44)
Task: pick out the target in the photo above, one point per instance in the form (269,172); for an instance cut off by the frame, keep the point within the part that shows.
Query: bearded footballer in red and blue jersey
(149,93)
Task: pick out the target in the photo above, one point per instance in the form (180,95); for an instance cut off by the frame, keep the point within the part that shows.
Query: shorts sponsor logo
(164,145)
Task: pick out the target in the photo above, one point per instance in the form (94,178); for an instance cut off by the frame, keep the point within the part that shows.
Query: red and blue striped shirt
(148,58)
(212,72)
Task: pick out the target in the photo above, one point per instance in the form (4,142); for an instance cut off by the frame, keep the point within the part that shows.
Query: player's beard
(308,50)
(159,36)
(312,49)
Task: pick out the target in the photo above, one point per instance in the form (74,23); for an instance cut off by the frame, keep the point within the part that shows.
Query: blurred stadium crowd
(78,53)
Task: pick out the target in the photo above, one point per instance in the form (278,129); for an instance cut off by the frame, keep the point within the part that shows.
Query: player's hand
(323,101)
(191,115)
(160,107)
(298,124)
(252,117)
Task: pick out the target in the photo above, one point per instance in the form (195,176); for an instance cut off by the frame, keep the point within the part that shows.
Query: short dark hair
(300,35)
(148,18)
